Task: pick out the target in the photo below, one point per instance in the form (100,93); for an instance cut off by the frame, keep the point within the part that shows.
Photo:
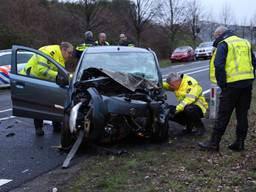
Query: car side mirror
(62,80)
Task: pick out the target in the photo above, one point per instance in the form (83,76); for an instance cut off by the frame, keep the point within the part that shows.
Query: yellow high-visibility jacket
(98,43)
(41,67)
(238,61)
(189,92)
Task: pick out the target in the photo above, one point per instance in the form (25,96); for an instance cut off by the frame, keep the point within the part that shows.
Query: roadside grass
(174,166)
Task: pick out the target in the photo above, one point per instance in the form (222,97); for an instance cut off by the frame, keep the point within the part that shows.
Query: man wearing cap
(192,104)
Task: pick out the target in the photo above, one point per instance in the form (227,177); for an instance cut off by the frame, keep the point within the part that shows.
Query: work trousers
(230,99)
(189,117)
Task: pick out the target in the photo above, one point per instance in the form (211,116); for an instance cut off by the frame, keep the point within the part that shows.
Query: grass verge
(174,166)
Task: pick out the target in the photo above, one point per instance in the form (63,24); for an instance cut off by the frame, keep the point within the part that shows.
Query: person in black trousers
(232,67)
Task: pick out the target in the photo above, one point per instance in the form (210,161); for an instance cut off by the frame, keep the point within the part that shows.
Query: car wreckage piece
(110,106)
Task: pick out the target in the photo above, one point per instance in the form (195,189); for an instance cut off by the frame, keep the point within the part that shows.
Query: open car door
(34,97)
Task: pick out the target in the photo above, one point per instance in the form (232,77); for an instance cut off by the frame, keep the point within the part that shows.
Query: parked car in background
(204,50)
(185,53)
(5,65)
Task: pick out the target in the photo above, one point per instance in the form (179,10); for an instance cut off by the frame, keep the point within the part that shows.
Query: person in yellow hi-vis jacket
(39,67)
(232,68)
(192,104)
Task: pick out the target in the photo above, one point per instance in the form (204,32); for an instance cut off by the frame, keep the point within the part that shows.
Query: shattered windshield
(139,64)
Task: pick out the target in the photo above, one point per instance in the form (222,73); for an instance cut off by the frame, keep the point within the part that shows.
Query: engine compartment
(117,110)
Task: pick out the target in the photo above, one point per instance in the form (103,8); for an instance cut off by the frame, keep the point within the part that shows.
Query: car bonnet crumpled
(131,81)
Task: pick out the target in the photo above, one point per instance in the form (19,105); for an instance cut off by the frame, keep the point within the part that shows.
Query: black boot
(200,129)
(188,129)
(39,127)
(212,144)
(56,127)
(238,145)
(39,131)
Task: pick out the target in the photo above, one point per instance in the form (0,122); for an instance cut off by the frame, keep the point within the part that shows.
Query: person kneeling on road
(192,104)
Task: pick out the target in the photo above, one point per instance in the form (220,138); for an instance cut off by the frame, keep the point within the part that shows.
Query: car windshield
(140,64)
(207,44)
(181,49)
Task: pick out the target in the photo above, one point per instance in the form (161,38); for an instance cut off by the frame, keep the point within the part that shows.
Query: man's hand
(172,110)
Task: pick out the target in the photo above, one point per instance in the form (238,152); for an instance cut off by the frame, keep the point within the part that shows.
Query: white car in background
(5,65)
(204,50)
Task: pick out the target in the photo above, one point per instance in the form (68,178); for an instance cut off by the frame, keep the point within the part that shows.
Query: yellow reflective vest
(82,47)
(189,92)
(105,43)
(238,61)
(41,68)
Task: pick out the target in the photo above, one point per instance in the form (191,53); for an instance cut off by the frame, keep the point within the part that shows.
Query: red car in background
(185,53)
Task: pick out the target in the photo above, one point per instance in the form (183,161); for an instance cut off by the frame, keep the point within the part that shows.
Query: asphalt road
(23,156)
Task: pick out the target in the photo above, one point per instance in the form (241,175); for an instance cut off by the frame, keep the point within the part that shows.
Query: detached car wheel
(67,139)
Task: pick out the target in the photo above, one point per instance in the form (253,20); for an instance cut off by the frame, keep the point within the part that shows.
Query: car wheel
(67,139)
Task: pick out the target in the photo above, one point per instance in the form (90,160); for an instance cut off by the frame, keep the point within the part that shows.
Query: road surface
(23,156)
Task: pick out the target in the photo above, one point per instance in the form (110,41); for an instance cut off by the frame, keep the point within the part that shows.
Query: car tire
(67,139)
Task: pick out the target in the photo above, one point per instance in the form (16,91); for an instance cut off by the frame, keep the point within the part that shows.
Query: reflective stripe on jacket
(238,61)
(41,67)
(82,47)
(105,43)
(189,92)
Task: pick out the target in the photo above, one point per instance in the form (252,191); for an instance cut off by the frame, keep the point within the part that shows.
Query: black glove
(172,110)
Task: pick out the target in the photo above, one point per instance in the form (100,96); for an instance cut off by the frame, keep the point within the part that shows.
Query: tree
(226,14)
(193,11)
(141,13)
(173,15)
(87,13)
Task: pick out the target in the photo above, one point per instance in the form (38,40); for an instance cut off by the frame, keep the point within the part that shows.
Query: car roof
(115,49)
(207,42)
(5,51)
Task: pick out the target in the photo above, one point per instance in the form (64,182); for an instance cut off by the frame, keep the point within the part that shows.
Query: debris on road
(10,134)
(10,126)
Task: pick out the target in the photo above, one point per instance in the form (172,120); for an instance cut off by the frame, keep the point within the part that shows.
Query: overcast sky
(241,8)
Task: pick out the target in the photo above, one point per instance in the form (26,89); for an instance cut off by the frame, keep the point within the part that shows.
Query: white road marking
(5,110)
(206,91)
(193,69)
(6,118)
(4,181)
(47,122)
(207,69)
(26,170)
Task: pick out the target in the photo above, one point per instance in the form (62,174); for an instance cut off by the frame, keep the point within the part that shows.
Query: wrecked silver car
(114,93)
(110,106)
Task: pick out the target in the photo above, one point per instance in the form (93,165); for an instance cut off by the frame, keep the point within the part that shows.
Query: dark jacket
(125,43)
(89,42)
(220,62)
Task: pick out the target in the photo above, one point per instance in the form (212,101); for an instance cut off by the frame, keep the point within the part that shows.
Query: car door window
(34,65)
(5,59)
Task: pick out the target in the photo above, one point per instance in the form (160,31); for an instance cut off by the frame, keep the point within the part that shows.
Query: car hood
(127,80)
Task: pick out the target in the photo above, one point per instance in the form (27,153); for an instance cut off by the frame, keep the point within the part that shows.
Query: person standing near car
(102,40)
(192,104)
(39,67)
(232,67)
(88,42)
